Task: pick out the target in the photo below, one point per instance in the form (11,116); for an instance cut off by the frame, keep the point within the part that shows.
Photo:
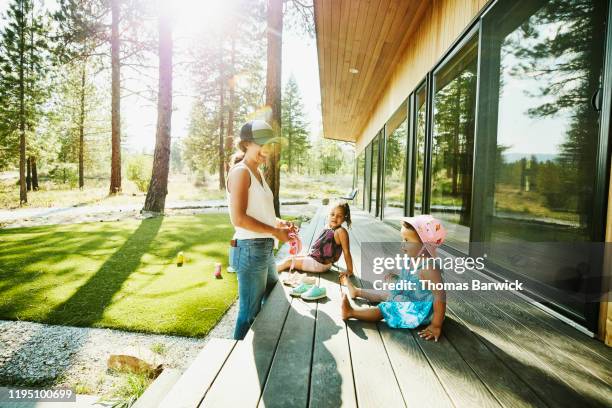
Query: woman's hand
(282,234)
(288,224)
(431,332)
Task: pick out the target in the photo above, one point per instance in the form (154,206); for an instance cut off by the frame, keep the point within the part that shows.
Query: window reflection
(453,144)
(419,148)
(359,180)
(549,61)
(375,165)
(395,165)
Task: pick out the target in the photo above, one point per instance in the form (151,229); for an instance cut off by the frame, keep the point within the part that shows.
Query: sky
(139,115)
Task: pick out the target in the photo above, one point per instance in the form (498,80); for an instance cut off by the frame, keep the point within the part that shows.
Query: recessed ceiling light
(353,70)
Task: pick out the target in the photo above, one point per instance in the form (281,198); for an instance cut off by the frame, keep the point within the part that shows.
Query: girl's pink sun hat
(429,229)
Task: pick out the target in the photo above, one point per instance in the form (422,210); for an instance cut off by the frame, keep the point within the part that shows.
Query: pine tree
(158,188)
(80,32)
(294,128)
(24,58)
(228,79)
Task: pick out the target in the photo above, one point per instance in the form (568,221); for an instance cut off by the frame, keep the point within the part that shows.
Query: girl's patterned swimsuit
(408,309)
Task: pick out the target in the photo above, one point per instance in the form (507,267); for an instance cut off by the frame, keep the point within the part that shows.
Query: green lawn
(119,274)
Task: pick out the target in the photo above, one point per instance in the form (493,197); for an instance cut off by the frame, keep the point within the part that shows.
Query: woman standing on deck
(252,213)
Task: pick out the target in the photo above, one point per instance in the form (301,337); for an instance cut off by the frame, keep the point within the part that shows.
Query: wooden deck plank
(497,337)
(158,389)
(507,387)
(374,377)
(375,381)
(566,349)
(331,383)
(459,380)
(552,331)
(419,383)
(532,346)
(287,383)
(195,381)
(240,382)
(293,355)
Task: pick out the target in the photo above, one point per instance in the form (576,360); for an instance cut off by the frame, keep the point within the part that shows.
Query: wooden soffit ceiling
(359,43)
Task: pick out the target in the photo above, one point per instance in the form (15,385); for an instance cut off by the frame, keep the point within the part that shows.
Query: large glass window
(367,189)
(375,175)
(419,147)
(395,165)
(359,180)
(453,143)
(541,64)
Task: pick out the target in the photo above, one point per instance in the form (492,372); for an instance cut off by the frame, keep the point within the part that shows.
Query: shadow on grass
(86,306)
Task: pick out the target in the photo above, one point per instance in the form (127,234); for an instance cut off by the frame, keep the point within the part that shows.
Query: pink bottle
(218,270)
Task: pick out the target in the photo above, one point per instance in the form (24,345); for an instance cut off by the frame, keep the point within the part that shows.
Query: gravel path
(34,353)
(31,217)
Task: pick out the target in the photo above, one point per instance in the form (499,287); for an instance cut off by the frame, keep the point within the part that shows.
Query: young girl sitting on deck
(408,308)
(327,248)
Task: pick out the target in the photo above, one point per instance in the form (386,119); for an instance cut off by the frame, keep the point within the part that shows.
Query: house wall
(439,27)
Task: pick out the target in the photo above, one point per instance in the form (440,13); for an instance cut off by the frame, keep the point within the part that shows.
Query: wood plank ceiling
(359,43)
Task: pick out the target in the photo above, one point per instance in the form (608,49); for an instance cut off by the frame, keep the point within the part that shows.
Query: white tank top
(260,205)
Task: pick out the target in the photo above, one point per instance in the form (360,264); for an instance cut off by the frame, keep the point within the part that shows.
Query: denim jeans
(256,270)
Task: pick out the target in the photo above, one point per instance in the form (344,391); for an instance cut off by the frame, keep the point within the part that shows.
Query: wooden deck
(495,351)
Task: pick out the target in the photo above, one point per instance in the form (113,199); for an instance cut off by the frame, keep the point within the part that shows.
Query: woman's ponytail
(238,156)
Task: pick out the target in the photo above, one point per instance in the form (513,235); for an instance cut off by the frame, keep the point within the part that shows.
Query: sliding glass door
(396,145)
(375,176)
(452,147)
(538,146)
(418,156)
(367,185)
(359,180)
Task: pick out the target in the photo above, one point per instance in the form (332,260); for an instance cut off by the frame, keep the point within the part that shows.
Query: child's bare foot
(346,308)
(344,280)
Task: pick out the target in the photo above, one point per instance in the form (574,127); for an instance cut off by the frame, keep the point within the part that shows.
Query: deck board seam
(217,373)
(476,373)
(399,387)
(552,373)
(267,376)
(468,326)
(518,377)
(539,337)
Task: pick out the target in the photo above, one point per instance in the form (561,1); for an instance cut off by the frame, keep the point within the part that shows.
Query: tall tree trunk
(273,91)
(158,187)
(29,173)
(229,140)
(289,152)
(82,127)
(115,182)
(23,194)
(34,174)
(221,119)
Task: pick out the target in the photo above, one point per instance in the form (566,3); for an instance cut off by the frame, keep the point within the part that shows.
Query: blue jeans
(256,270)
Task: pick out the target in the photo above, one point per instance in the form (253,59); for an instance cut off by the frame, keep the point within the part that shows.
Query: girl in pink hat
(408,308)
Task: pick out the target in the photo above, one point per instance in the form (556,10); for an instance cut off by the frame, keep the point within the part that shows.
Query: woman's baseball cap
(429,229)
(257,131)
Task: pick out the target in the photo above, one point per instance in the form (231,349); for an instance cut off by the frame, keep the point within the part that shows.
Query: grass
(132,386)
(119,275)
